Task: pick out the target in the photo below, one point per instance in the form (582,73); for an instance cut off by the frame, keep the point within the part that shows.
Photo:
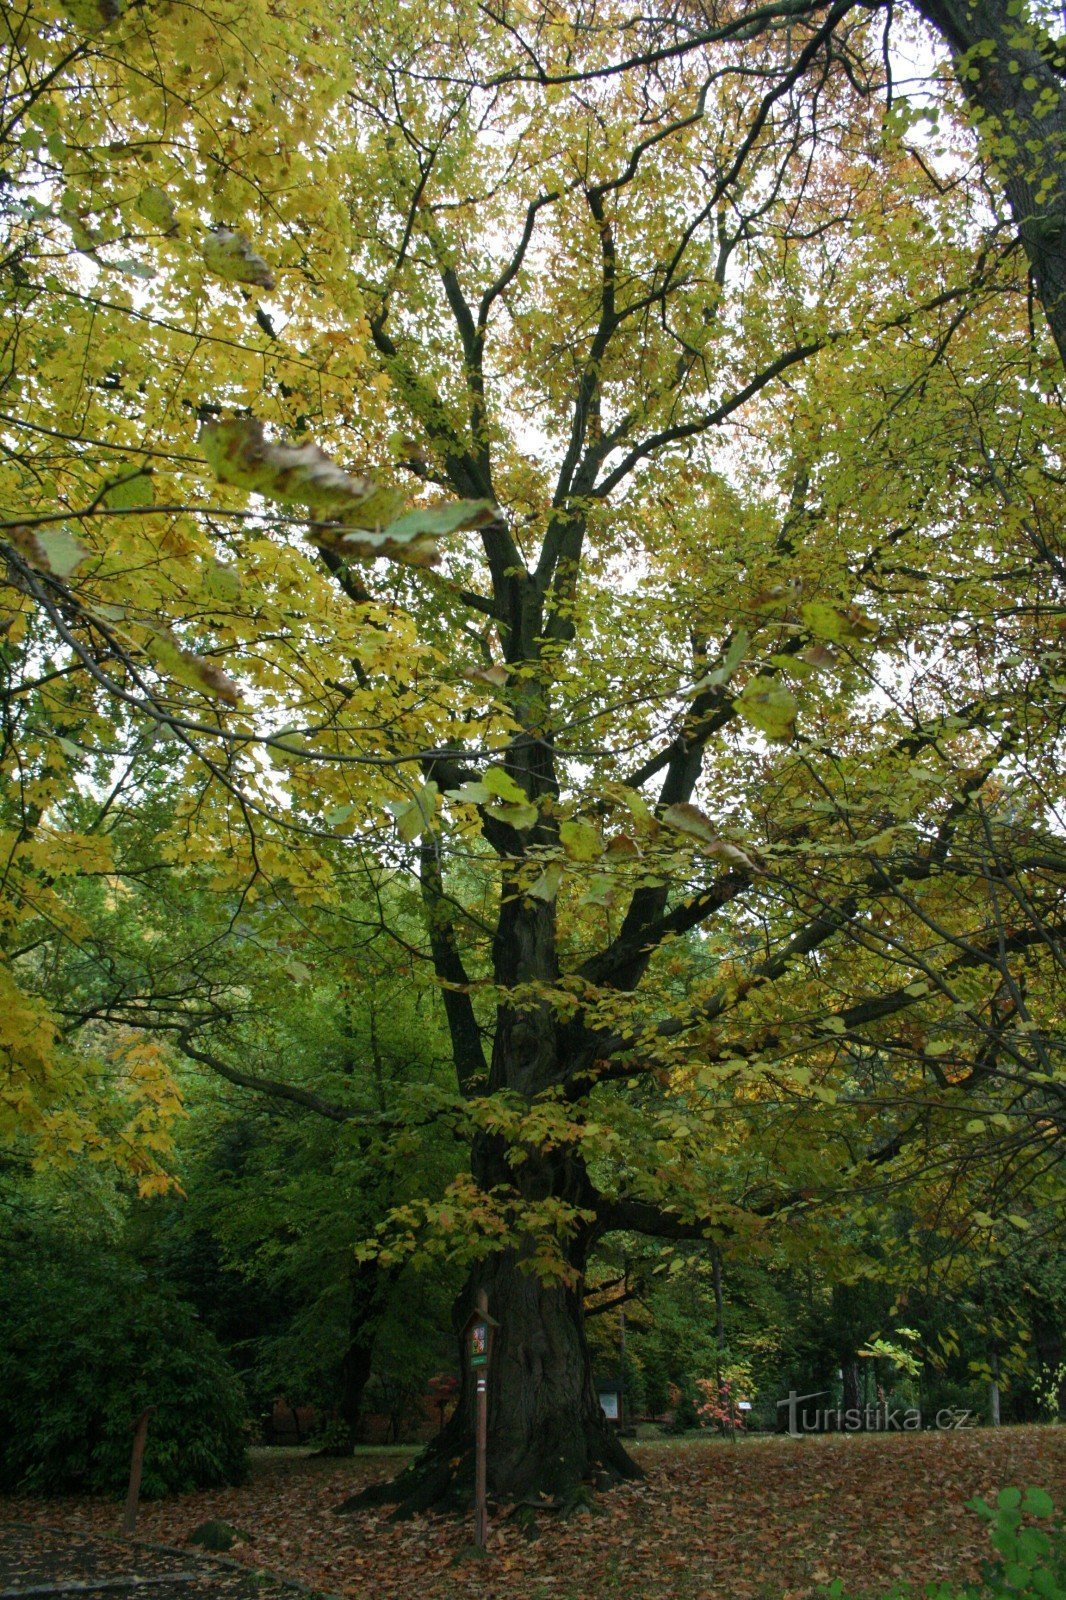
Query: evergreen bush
(87,1342)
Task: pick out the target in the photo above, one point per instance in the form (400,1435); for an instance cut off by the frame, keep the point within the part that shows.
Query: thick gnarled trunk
(547,1434)
(546,1429)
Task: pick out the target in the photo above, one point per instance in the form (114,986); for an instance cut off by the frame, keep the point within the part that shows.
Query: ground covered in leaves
(764,1519)
(37,1563)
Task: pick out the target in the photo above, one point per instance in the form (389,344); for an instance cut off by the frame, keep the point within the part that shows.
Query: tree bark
(1011,73)
(993,1389)
(546,1430)
(852,1393)
(355,1375)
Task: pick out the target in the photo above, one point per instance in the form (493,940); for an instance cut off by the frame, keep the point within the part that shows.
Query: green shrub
(86,1343)
(1030,1561)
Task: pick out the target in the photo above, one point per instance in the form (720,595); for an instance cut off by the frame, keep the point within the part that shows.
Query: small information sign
(479,1344)
(478,1338)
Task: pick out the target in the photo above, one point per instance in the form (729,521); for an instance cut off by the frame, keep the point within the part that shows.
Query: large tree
(724,752)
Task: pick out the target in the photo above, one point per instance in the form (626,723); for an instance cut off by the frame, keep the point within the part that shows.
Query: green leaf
(600,892)
(221,581)
(415,817)
(822,619)
(240,454)
(499,782)
(769,706)
(448,517)
(91,15)
(689,819)
(470,794)
(546,886)
(133,268)
(130,491)
(61,551)
(580,840)
(720,675)
(685,818)
(185,666)
(516,816)
(155,205)
(1033,1544)
(1038,1503)
(837,622)
(336,816)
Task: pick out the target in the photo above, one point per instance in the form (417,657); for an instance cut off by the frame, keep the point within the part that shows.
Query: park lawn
(762,1519)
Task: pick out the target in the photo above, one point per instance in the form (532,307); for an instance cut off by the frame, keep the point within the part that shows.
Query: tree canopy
(614,495)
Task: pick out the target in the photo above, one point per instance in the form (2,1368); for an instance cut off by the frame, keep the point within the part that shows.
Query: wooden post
(140,1437)
(481,1505)
(622,1365)
(477,1341)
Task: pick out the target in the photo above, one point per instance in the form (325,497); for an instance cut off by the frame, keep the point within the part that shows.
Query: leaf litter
(764,1519)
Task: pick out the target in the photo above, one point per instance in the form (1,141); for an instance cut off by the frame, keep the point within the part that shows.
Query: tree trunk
(546,1430)
(547,1433)
(852,1395)
(355,1375)
(1010,71)
(993,1389)
(366,1285)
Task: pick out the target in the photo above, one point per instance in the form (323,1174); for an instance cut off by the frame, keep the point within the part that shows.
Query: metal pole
(481,1507)
(140,1435)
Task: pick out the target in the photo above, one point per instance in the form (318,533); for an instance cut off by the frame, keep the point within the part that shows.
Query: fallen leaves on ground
(764,1519)
(35,1561)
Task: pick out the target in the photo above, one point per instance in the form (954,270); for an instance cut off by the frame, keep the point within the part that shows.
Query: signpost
(140,1436)
(479,1330)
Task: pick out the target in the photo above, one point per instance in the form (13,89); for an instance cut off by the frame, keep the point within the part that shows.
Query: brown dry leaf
(765,1516)
(240,454)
